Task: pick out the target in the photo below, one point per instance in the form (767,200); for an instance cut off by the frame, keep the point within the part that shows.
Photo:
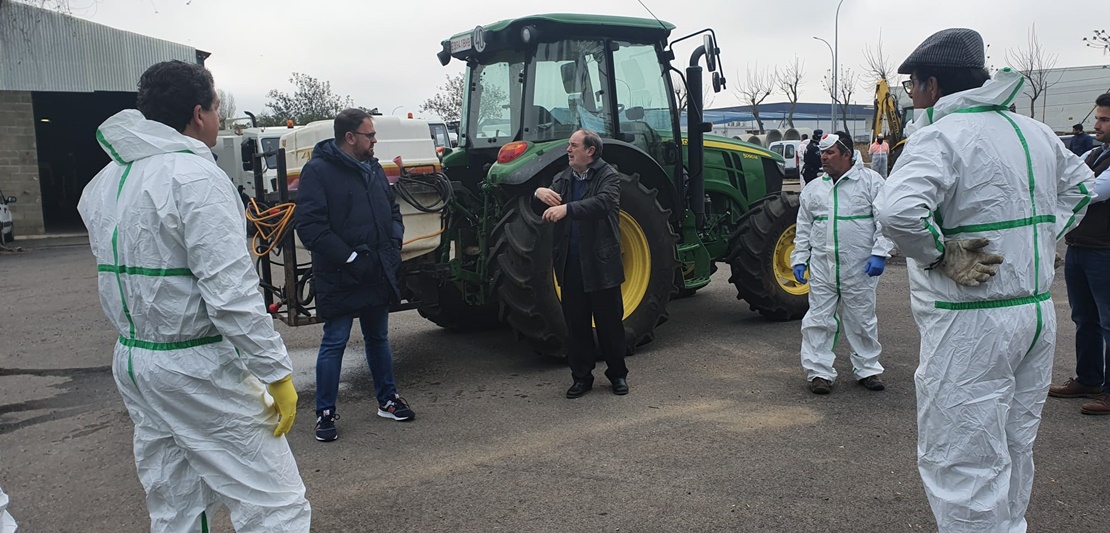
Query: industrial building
(1069,98)
(60,78)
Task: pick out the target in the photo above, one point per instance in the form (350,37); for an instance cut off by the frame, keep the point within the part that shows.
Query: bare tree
(1036,65)
(227,107)
(848,82)
(756,88)
(877,64)
(679,84)
(788,80)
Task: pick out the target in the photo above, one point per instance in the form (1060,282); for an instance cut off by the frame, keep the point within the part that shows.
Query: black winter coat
(344,206)
(599,239)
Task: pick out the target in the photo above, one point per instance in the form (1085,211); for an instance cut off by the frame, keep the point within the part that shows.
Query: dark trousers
(329,361)
(1087,272)
(581,310)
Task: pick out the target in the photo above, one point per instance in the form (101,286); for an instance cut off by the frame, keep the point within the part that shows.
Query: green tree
(447,103)
(311,100)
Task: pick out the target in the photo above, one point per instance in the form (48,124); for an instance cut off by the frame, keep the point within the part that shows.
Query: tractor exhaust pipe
(695,135)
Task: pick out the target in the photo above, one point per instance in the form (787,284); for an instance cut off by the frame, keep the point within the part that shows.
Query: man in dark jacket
(811,159)
(348,217)
(584,202)
(1087,272)
(1080,141)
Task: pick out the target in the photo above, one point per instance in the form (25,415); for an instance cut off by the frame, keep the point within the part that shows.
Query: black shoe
(579,388)
(396,409)
(325,426)
(820,386)
(872,383)
(620,386)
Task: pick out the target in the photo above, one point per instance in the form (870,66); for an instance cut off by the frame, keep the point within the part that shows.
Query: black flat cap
(951,48)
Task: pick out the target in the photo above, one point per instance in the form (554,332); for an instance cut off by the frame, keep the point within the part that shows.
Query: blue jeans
(1087,272)
(375,330)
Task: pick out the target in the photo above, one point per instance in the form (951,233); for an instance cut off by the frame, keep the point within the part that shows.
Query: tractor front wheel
(760,258)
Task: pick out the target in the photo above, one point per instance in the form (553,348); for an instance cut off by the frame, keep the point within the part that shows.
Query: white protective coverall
(7,523)
(168,231)
(837,233)
(971,169)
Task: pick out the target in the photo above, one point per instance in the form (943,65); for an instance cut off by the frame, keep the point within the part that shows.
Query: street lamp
(836,56)
(394,112)
(832,103)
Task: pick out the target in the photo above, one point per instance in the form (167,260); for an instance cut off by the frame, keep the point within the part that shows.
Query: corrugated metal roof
(42,50)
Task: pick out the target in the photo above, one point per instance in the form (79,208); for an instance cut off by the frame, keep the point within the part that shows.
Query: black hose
(411,184)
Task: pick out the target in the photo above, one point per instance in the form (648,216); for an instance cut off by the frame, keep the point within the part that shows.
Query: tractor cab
(539,79)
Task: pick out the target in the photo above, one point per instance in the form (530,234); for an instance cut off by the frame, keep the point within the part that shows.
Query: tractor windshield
(495,89)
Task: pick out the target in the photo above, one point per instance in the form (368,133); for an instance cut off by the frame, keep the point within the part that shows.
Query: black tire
(755,247)
(443,304)
(524,276)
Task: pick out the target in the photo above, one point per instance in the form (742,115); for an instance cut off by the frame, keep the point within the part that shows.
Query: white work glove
(966,264)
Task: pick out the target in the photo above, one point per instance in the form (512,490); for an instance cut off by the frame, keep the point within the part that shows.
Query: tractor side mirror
(10,200)
(710,52)
(248,149)
(634,113)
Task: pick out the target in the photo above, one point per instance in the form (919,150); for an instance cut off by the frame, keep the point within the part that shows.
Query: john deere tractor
(688,201)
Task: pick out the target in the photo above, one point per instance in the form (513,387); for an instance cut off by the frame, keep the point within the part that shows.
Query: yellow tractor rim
(783,270)
(636,257)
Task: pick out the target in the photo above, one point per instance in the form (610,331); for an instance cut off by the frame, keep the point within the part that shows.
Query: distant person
(879,150)
(584,204)
(976,203)
(197,351)
(1080,141)
(348,217)
(840,242)
(811,158)
(1087,271)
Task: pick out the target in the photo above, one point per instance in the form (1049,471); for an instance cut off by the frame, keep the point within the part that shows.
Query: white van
(791,152)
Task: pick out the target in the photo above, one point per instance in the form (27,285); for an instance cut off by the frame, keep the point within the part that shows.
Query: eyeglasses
(908,86)
(370,135)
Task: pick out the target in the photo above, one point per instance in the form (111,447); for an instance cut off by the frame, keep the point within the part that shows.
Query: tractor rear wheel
(524,276)
(760,258)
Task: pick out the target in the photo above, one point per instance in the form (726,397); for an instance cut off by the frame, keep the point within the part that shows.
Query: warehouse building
(60,78)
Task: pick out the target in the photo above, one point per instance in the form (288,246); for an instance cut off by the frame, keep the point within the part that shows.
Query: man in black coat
(348,217)
(811,158)
(584,204)
(1087,272)
(1080,141)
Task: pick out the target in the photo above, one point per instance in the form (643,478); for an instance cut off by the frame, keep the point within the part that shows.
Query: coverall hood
(999,91)
(128,136)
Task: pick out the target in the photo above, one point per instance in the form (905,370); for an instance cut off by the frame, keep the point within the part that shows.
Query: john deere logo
(479,40)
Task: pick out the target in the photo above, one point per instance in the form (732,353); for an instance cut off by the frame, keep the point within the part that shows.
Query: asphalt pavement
(719,432)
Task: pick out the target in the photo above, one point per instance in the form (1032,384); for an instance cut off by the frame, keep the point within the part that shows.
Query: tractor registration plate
(461,44)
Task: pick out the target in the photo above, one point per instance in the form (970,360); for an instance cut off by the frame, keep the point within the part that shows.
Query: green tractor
(687,201)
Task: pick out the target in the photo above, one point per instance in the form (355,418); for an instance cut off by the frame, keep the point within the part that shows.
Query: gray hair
(591,139)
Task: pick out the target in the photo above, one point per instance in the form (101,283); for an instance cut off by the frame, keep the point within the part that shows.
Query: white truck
(229,154)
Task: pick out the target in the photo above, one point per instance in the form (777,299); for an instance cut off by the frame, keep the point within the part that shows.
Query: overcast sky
(382,53)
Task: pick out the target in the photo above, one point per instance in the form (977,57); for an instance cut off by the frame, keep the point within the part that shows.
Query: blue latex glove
(800,273)
(875,266)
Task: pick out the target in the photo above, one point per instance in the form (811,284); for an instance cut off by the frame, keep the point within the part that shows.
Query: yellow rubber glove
(285,403)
